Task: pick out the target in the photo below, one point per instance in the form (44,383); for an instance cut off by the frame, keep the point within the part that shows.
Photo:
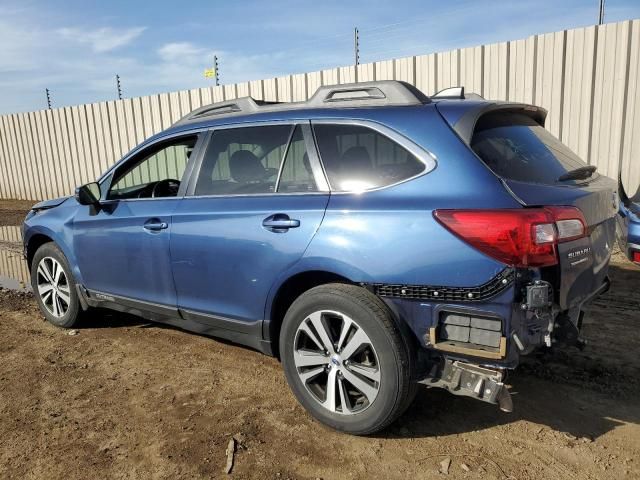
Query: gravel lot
(123,398)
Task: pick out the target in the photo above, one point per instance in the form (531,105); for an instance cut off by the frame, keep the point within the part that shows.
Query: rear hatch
(540,171)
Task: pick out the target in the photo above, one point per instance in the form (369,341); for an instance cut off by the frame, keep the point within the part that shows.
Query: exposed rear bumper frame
(465,379)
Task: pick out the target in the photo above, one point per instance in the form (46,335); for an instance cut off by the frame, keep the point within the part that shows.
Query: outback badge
(579,256)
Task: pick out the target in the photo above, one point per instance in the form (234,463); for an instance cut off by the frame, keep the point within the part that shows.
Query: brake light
(636,256)
(525,237)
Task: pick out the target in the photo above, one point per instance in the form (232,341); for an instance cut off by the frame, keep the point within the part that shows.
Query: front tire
(345,359)
(54,287)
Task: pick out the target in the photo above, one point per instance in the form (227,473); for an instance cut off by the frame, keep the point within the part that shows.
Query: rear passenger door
(252,207)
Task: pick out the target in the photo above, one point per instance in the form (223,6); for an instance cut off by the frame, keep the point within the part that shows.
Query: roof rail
(238,105)
(364,94)
(383,92)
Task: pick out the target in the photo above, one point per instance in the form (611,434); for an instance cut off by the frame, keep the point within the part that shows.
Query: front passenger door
(122,247)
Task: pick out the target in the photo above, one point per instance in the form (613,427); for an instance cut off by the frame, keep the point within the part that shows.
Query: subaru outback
(372,238)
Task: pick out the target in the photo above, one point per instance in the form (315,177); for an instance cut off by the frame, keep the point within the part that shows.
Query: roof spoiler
(466,125)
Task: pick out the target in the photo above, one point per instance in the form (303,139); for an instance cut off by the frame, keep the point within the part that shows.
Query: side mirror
(88,194)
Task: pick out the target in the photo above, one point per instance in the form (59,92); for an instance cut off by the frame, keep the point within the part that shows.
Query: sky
(75,48)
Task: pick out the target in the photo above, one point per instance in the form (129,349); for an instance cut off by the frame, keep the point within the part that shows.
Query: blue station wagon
(372,238)
(628,230)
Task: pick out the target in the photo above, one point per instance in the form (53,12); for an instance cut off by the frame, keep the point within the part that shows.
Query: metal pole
(48,98)
(356,46)
(601,13)
(356,50)
(215,66)
(118,87)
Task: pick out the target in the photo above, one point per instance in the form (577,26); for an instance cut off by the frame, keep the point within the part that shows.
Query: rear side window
(358,158)
(517,148)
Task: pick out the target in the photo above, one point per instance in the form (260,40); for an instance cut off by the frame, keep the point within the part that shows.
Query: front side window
(155,172)
(247,160)
(358,158)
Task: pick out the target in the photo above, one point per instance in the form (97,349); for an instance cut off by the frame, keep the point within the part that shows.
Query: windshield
(517,148)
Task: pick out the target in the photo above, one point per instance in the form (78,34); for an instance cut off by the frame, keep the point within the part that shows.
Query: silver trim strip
(111,297)
(239,195)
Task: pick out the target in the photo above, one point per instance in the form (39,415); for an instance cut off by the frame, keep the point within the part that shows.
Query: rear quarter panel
(390,235)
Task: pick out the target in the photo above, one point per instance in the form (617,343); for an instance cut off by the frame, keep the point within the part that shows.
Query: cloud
(42,47)
(103,39)
(183,52)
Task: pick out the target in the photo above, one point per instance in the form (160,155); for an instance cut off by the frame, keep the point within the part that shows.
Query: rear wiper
(579,173)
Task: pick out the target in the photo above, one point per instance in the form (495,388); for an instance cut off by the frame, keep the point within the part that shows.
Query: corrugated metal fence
(13,269)
(588,79)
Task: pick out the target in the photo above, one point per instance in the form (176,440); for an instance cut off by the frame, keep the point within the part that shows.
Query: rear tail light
(544,233)
(569,229)
(569,223)
(525,237)
(635,256)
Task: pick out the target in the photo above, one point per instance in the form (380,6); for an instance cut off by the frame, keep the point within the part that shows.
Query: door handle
(280,222)
(155,226)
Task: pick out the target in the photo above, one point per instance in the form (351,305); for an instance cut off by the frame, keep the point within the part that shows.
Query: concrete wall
(587,78)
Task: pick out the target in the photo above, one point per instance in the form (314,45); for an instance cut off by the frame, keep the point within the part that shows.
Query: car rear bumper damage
(468,347)
(470,380)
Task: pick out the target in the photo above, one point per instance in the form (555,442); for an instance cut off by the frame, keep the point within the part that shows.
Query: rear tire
(54,287)
(345,359)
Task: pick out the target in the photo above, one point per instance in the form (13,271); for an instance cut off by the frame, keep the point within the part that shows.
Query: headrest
(245,167)
(356,158)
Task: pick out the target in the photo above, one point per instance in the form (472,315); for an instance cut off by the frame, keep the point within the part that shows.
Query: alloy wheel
(336,362)
(53,287)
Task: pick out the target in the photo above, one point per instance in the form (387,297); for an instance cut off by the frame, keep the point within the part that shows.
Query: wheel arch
(286,294)
(34,243)
(38,235)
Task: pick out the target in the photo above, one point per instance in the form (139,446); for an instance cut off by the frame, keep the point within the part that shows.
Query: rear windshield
(515,147)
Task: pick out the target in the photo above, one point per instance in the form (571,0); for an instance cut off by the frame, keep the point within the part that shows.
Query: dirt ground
(12,212)
(126,399)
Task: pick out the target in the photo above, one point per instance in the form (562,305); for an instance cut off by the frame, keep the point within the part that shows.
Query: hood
(46,204)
